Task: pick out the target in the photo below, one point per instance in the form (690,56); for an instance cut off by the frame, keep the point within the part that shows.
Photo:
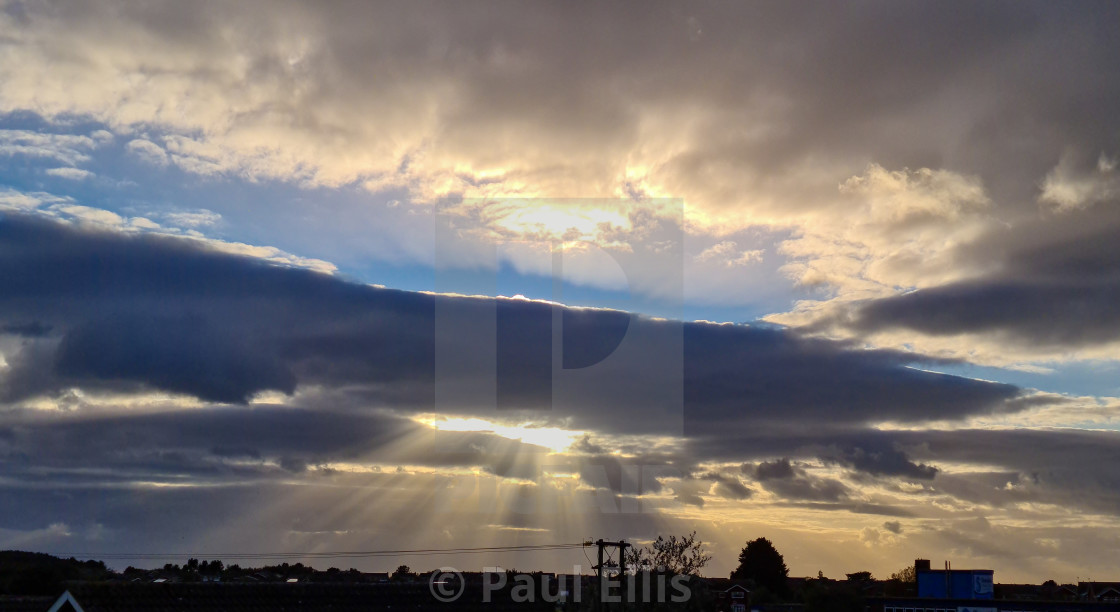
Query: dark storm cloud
(1049,466)
(869,455)
(727,486)
(768,470)
(171,315)
(775,376)
(854,508)
(786,481)
(1058,292)
(205,360)
(807,488)
(884,460)
(127,313)
(130,312)
(732,488)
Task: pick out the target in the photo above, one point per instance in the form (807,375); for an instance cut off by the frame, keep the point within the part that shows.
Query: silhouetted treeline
(30,573)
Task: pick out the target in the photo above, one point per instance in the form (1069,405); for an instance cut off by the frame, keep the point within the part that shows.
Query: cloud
(877,187)
(145,333)
(64,208)
(88,214)
(1030,293)
(68,149)
(74,174)
(174,353)
(1060,294)
(625,114)
(727,485)
(998,470)
(148,151)
(737,372)
(897,229)
(228,327)
(774,470)
(146,316)
(727,253)
(802,488)
(11,199)
(733,489)
(197,218)
(1068,187)
(795,483)
(884,461)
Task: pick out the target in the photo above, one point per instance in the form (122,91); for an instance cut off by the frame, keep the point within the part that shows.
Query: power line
(325,554)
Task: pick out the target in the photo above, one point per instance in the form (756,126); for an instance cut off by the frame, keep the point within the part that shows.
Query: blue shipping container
(956,584)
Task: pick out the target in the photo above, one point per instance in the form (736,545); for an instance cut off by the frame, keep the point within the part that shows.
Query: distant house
(734,598)
(1021,592)
(1099,591)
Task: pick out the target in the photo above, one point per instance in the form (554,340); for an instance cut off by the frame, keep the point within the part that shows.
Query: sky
(335,276)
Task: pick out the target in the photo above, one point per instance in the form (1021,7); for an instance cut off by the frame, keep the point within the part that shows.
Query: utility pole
(599,576)
(621,545)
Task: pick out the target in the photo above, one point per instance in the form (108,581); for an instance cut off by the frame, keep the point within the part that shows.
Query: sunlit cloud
(1069,187)
(552,438)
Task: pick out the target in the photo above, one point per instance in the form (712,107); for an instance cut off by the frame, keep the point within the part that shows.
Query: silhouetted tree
(761,562)
(403,572)
(672,555)
(27,573)
(906,574)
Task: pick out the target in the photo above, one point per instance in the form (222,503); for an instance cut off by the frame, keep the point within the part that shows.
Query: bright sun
(553,438)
